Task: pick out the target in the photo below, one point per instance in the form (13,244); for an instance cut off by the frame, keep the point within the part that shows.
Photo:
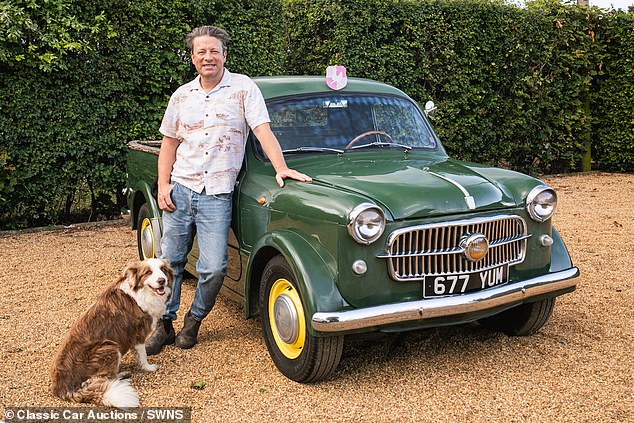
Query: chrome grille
(434,249)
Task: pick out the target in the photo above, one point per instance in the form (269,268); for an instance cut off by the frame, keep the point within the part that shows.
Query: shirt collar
(224,82)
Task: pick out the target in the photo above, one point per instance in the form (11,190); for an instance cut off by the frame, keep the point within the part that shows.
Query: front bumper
(411,311)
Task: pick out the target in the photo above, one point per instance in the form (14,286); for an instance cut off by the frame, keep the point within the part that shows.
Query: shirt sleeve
(255,111)
(169,125)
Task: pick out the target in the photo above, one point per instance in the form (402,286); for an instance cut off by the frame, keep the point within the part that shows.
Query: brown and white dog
(86,368)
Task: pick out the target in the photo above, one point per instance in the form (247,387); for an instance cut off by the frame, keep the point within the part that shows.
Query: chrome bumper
(510,294)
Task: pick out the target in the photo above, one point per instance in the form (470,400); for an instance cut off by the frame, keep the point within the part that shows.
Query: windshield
(339,122)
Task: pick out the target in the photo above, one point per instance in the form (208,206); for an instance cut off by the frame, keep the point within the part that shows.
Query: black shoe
(163,335)
(188,336)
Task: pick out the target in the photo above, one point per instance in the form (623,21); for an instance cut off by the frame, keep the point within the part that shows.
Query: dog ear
(132,274)
(169,272)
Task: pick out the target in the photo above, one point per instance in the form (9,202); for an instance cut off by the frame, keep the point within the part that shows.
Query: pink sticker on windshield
(336,77)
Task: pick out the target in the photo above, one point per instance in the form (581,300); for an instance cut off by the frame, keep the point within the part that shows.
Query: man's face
(208,57)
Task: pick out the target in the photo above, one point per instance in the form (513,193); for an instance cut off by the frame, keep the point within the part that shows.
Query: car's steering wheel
(365,134)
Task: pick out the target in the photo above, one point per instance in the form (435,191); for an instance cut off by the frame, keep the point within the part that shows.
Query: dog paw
(149,367)
(124,375)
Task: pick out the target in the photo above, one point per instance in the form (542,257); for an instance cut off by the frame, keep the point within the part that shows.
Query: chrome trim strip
(462,222)
(510,240)
(456,250)
(467,196)
(509,294)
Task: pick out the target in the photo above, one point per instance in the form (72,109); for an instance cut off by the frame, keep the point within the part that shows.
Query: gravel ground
(579,368)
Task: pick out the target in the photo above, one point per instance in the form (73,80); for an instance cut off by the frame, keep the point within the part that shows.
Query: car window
(402,123)
(333,121)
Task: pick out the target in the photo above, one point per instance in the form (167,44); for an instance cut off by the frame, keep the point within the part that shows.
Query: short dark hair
(212,31)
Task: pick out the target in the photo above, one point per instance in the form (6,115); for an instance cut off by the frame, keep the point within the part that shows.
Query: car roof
(282,86)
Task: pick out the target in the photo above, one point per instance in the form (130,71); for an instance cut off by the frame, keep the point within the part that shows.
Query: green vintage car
(392,234)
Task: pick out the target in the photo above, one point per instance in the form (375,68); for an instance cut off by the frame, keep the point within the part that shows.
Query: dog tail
(111,392)
(120,394)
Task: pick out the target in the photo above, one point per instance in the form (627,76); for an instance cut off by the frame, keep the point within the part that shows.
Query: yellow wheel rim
(147,239)
(286,318)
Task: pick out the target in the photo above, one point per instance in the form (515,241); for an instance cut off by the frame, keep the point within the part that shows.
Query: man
(205,128)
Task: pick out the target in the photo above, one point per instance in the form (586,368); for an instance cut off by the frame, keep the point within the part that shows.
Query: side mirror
(430,108)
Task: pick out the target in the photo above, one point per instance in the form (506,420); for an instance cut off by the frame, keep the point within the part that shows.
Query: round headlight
(541,203)
(366,223)
(475,246)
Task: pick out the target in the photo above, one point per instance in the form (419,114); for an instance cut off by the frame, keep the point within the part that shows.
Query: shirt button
(206,153)
(206,133)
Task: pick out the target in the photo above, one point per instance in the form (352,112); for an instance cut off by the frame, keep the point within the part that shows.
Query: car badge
(336,77)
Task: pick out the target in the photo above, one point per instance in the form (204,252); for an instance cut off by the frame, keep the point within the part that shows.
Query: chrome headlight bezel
(368,216)
(541,203)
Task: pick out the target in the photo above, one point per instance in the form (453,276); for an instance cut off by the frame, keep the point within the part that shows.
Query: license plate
(441,286)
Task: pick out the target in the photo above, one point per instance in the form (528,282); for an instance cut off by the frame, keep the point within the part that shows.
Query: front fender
(142,193)
(559,256)
(314,267)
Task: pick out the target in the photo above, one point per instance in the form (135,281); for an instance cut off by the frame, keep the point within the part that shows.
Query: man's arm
(167,157)
(271,147)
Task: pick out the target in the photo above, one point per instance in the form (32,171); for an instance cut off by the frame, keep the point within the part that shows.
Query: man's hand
(166,159)
(290,173)
(164,198)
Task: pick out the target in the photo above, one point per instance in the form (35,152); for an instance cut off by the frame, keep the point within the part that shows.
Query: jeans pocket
(223,197)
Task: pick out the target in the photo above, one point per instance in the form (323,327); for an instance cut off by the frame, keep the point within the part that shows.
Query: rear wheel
(299,355)
(525,319)
(144,234)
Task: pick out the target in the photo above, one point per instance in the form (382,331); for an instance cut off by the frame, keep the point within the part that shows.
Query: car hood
(410,187)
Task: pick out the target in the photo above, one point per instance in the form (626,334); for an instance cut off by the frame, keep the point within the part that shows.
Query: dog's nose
(161,281)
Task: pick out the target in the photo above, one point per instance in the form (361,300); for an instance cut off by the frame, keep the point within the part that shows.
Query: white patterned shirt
(212,129)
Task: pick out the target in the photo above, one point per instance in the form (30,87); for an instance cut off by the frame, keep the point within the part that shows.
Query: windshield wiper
(381,144)
(313,150)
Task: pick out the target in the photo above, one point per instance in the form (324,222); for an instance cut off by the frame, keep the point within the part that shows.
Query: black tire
(525,319)
(299,355)
(144,235)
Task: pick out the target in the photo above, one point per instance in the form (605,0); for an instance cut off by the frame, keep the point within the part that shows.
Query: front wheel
(525,319)
(144,234)
(299,355)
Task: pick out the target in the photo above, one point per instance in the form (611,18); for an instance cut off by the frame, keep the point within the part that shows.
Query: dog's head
(153,275)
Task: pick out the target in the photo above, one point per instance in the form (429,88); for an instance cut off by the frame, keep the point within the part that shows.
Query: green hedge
(66,114)
(527,89)
(510,84)
(613,100)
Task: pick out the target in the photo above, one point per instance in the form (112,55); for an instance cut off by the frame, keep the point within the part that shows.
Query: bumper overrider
(506,295)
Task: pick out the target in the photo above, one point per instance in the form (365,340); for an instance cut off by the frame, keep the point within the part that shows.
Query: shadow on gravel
(364,350)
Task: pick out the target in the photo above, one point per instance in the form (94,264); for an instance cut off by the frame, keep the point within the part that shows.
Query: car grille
(434,249)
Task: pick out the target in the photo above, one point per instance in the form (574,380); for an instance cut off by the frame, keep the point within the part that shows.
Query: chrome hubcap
(286,320)
(147,242)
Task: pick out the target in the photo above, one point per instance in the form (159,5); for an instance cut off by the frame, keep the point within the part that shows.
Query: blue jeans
(209,216)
